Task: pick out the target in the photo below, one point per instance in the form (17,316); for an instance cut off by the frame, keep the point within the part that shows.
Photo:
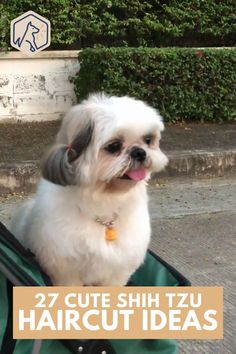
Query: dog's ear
(57,166)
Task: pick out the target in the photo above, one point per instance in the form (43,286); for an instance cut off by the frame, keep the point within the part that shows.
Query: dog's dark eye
(114,147)
(148,139)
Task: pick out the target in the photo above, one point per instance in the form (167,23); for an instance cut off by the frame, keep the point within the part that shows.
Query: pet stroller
(19,268)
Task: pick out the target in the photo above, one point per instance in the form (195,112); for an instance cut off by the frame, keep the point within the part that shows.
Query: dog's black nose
(138,154)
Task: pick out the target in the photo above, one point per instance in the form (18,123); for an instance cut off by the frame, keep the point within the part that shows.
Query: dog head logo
(30,33)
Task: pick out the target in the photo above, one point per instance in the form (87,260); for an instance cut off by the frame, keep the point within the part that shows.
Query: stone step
(23,176)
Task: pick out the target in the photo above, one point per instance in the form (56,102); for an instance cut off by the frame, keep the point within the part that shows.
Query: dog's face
(109,142)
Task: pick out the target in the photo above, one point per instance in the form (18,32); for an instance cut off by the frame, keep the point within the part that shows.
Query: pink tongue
(136,175)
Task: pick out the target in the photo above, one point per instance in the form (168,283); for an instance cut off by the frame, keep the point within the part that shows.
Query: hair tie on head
(71,153)
(69,147)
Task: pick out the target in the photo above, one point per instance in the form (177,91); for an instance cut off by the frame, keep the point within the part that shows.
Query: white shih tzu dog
(89,223)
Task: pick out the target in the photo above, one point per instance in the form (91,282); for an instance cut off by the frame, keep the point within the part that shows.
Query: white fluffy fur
(58,224)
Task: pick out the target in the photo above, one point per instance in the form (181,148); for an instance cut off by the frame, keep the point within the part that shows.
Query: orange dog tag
(110,234)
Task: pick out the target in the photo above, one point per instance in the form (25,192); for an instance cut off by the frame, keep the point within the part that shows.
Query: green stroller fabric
(19,268)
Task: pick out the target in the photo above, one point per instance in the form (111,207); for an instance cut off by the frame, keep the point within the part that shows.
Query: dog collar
(110,231)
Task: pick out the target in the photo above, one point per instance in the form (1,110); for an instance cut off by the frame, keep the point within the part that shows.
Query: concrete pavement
(194,229)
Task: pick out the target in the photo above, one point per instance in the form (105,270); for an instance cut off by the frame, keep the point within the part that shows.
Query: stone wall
(38,88)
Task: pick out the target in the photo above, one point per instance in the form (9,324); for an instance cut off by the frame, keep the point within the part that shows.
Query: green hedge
(184,84)
(159,23)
